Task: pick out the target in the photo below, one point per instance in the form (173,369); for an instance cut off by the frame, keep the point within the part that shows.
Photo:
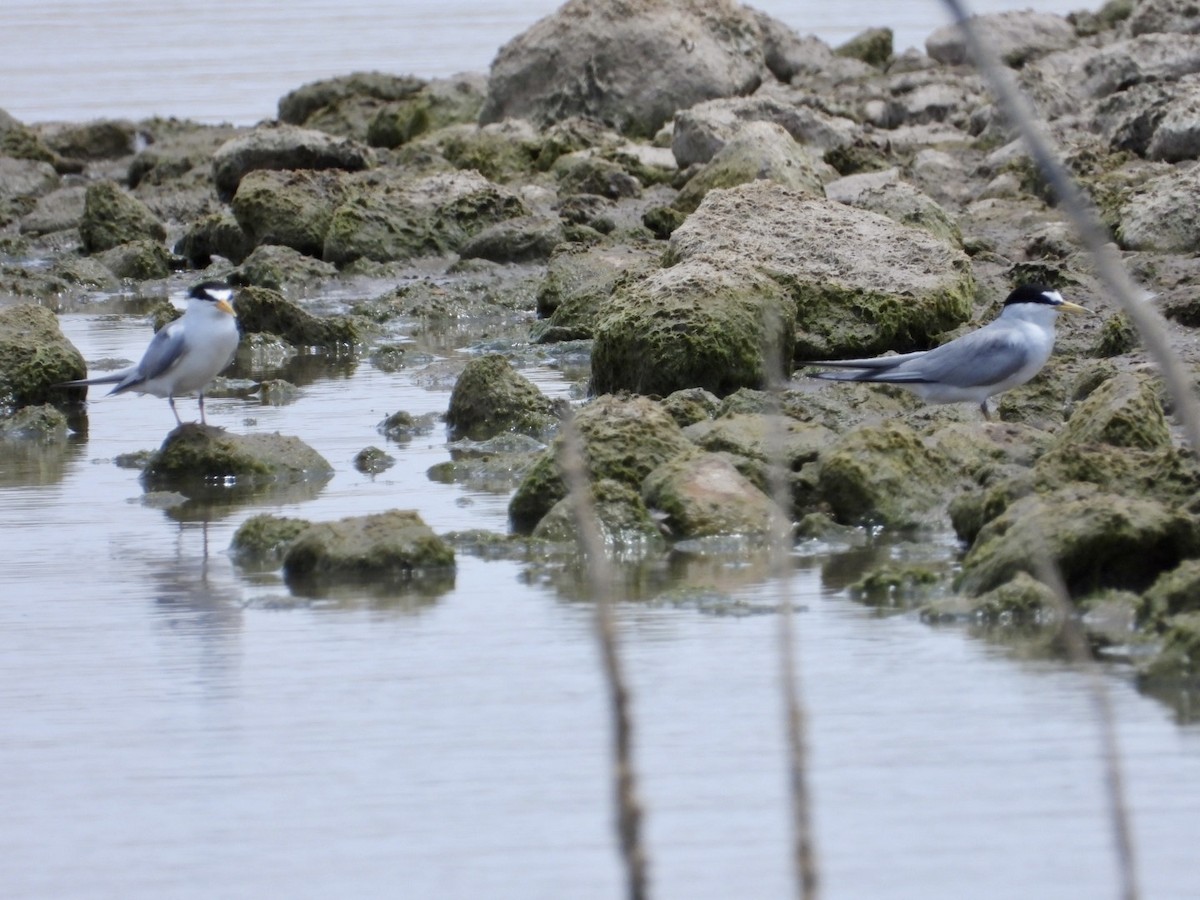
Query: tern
(186,354)
(1006,352)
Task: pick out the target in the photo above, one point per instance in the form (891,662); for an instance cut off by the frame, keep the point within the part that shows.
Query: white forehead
(224,293)
(1053,296)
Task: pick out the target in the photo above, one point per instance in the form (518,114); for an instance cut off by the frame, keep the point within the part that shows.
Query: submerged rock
(34,358)
(490,397)
(263,540)
(621,516)
(264,310)
(388,549)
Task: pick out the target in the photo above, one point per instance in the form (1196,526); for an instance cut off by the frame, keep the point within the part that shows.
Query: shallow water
(173,727)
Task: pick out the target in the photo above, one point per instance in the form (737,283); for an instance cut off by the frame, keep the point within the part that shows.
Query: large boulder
(862,283)
(293,209)
(1016,37)
(34,357)
(1158,217)
(631,64)
(283,147)
(195,454)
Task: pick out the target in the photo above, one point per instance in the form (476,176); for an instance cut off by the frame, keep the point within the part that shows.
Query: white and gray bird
(1006,352)
(186,354)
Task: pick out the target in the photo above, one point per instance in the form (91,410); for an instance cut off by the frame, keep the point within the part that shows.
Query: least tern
(186,354)
(1006,352)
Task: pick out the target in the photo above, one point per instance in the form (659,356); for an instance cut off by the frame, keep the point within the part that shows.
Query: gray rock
(699,132)
(283,147)
(524,239)
(34,357)
(901,202)
(1159,217)
(282,269)
(1124,412)
(906,285)
(25,179)
(1171,16)
(97,139)
(59,210)
(630,65)
(579,281)
(138,260)
(1016,37)
(757,151)
(491,397)
(195,454)
(306,102)
(703,495)
(1177,135)
(293,209)
(441,102)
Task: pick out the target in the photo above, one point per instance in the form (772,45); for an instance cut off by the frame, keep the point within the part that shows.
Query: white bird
(1006,352)
(186,354)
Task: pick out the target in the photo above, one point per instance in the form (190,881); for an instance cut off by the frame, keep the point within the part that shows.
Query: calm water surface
(171,727)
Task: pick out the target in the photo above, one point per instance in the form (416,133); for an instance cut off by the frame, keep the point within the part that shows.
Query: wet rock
(1179,658)
(763,438)
(402,426)
(1176,135)
(42,424)
(1016,37)
(293,209)
(34,357)
(441,102)
(389,549)
(60,210)
(698,324)
(1124,411)
(197,454)
(703,494)
(87,271)
(138,260)
(282,269)
(882,474)
(620,514)
(579,281)
(1117,336)
(526,239)
(217,234)
(1174,592)
(583,172)
(19,141)
(262,540)
(22,182)
(495,466)
(1021,601)
(112,217)
(490,396)
(758,151)
(1096,540)
(390,218)
(876,286)
(700,132)
(372,460)
(624,439)
(316,99)
(265,310)
(97,139)
(283,147)
(625,65)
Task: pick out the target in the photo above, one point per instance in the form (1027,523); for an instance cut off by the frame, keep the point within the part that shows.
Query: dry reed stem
(1153,333)
(804,853)
(603,587)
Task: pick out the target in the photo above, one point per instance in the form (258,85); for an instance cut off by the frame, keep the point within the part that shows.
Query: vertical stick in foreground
(602,584)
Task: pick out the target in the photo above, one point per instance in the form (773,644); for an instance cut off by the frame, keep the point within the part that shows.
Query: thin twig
(602,584)
(804,854)
(1153,332)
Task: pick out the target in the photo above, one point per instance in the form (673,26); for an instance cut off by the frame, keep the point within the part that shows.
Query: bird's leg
(202,422)
(171,402)
(983,408)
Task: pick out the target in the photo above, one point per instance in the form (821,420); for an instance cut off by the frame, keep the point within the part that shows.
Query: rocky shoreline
(702,200)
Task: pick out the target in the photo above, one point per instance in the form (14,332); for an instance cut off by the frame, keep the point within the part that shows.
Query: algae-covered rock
(264,539)
(112,216)
(310,100)
(758,151)
(579,281)
(441,102)
(873,46)
(621,516)
(1096,539)
(195,453)
(1174,592)
(293,209)
(703,494)
(903,202)
(389,218)
(490,396)
(763,437)
(138,260)
(525,239)
(862,283)
(624,439)
(265,310)
(625,64)
(34,357)
(691,405)
(372,460)
(1179,658)
(1124,412)
(385,549)
(283,147)
(217,234)
(694,325)
(586,173)
(500,152)
(882,474)
(281,269)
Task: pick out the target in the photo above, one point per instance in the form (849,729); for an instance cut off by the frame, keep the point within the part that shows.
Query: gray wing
(970,361)
(164,351)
